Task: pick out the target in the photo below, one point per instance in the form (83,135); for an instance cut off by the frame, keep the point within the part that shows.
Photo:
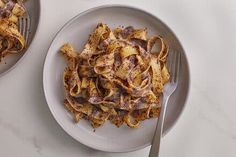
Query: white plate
(11,61)
(76,31)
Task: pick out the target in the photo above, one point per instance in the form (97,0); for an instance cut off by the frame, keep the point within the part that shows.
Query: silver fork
(169,88)
(24,26)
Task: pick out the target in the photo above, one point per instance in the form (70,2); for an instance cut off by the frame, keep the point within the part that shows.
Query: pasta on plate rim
(11,41)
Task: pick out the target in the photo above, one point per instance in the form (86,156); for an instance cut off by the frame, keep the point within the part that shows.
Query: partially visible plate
(11,60)
(108,137)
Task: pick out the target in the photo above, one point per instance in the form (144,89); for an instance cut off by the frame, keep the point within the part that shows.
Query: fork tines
(24,27)
(174,66)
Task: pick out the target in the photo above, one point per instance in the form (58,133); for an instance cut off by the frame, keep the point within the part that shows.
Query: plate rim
(28,47)
(70,21)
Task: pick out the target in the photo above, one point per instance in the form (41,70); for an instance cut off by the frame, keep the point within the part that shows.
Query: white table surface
(207,127)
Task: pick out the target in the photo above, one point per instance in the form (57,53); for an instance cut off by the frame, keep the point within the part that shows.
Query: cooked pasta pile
(117,76)
(11,41)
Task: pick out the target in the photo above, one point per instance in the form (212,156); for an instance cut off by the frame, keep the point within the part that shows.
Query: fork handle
(154,152)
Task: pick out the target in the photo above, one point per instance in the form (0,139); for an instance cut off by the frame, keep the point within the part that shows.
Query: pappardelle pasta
(118,76)
(11,41)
